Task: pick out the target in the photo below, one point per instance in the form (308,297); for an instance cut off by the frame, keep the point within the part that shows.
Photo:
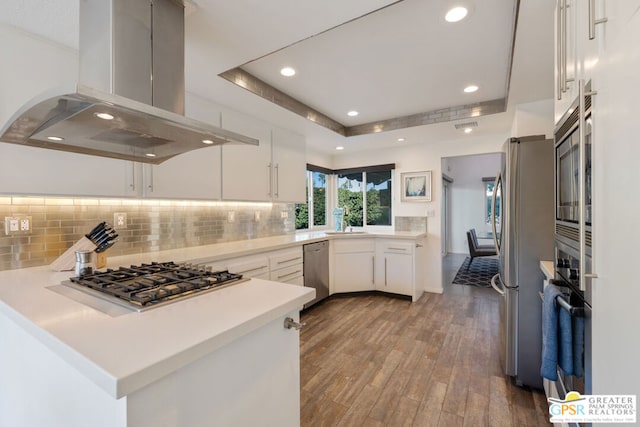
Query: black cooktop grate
(151,284)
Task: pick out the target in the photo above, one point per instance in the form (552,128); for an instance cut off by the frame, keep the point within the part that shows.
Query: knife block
(67,261)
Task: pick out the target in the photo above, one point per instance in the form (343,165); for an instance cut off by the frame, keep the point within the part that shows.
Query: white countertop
(221,251)
(548,269)
(124,353)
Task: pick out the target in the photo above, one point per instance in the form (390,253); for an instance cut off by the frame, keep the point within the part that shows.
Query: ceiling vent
(466,125)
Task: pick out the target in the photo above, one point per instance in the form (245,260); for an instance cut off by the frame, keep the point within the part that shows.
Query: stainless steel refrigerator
(523,232)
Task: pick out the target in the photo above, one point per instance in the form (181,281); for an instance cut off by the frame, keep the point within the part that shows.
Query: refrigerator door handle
(495,286)
(494,226)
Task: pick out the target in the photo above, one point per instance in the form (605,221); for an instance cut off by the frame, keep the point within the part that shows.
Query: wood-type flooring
(375,360)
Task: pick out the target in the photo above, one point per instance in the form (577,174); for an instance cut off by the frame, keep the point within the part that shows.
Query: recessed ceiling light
(104,116)
(456,14)
(55,138)
(468,130)
(150,155)
(352,113)
(207,141)
(471,88)
(340,147)
(288,72)
(400,139)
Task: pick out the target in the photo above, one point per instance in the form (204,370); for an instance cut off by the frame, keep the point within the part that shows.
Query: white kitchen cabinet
(395,266)
(420,261)
(255,266)
(566,69)
(246,169)
(286,266)
(38,171)
(193,175)
(354,265)
(289,166)
(273,171)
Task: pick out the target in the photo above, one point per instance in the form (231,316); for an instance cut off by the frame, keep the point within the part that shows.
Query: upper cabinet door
(566,69)
(193,175)
(38,171)
(289,166)
(246,169)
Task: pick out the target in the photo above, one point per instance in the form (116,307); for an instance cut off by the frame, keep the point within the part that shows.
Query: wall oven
(573,225)
(567,167)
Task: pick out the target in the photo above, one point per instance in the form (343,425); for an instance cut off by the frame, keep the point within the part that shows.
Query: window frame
(311,169)
(364,170)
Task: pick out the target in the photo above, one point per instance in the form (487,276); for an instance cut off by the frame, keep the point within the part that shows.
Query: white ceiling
(400,60)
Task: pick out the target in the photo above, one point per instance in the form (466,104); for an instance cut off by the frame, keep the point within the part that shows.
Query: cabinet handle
(133,176)
(270,178)
(385,271)
(373,270)
(289,323)
(277,181)
(252,269)
(289,260)
(565,80)
(418,245)
(582,205)
(150,186)
(593,21)
(558,51)
(397,249)
(289,274)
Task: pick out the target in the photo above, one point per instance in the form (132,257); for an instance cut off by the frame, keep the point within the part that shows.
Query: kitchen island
(221,358)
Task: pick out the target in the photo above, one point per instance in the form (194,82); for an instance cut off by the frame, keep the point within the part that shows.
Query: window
(314,212)
(379,198)
(350,197)
(488,200)
(366,190)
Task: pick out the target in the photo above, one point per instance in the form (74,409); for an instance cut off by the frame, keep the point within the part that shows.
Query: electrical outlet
(120,220)
(231,216)
(256,216)
(17,225)
(284,214)
(25,223)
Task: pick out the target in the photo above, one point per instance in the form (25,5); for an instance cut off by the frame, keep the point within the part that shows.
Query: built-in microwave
(567,171)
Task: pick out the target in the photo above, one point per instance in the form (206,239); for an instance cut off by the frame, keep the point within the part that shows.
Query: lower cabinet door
(397,274)
(353,272)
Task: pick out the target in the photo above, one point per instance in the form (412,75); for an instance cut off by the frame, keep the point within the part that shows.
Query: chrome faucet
(345,212)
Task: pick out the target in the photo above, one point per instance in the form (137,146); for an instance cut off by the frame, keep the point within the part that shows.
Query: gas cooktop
(151,285)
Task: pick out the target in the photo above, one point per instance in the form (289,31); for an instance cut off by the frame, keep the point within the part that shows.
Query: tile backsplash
(410,223)
(152,225)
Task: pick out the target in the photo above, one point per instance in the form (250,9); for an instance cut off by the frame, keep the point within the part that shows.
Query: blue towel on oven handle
(565,344)
(557,344)
(578,345)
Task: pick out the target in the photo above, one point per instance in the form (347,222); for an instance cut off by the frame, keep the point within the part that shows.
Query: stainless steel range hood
(130,102)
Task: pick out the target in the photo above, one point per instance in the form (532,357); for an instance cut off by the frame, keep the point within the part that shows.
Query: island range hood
(129,103)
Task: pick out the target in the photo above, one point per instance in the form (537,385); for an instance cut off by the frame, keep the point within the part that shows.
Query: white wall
(41,64)
(423,157)
(468,196)
(533,118)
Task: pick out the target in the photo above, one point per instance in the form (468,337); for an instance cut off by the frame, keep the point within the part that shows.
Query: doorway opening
(467,191)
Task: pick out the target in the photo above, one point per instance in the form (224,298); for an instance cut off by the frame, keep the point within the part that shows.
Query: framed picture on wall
(416,186)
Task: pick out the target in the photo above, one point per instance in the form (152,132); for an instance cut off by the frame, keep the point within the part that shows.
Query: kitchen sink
(346,232)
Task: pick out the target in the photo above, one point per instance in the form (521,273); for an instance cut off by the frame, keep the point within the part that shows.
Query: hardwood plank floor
(375,360)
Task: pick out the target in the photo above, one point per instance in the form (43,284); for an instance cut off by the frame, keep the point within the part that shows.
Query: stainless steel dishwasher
(316,269)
